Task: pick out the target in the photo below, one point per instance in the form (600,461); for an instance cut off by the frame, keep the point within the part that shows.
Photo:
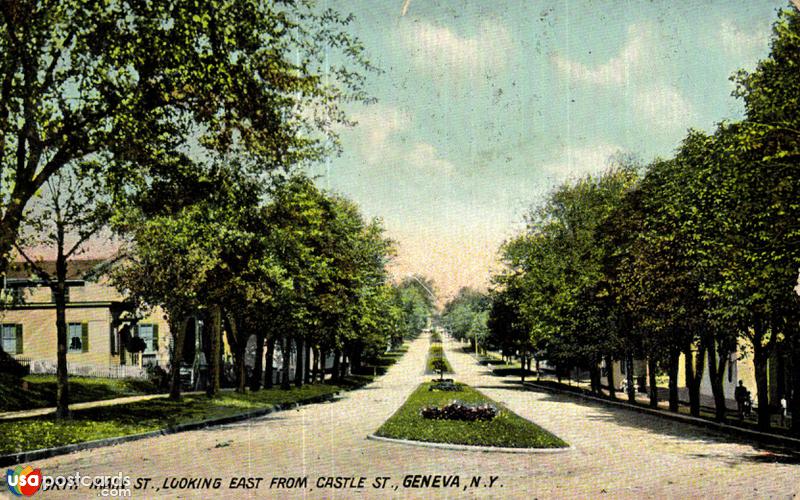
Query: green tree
(143,84)
(64,217)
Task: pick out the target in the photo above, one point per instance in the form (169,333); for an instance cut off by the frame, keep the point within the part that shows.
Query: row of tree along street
(182,127)
(694,255)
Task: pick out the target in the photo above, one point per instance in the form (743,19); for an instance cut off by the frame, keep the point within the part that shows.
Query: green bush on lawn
(506,430)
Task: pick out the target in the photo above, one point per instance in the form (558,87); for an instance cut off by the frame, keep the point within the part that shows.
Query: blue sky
(483,107)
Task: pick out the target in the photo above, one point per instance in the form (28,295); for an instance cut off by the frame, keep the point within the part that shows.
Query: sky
(483,107)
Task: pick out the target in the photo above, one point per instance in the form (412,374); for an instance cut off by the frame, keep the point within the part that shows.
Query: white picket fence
(46,367)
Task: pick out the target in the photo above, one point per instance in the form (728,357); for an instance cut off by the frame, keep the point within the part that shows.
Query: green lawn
(143,416)
(507,429)
(41,390)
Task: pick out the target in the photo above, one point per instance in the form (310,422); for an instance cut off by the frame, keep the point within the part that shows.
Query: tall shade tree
(769,139)
(65,215)
(155,87)
(168,265)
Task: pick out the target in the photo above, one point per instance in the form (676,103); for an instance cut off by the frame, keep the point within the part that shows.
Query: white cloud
(738,42)
(440,50)
(379,139)
(574,162)
(423,156)
(664,107)
(631,62)
(637,73)
(375,126)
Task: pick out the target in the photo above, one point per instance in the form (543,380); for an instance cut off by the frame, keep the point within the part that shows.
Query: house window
(147,333)
(77,337)
(10,339)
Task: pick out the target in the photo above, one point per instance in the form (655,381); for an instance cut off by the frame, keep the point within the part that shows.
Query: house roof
(76,269)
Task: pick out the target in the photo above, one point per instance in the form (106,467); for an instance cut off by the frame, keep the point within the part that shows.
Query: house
(99,323)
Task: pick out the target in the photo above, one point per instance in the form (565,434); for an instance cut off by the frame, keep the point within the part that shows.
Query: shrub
(460,411)
(439,365)
(445,385)
(158,376)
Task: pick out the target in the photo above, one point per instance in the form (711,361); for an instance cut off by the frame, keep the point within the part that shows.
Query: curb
(466,447)
(760,437)
(32,455)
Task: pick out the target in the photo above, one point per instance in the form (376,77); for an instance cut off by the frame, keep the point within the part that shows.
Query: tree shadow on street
(629,417)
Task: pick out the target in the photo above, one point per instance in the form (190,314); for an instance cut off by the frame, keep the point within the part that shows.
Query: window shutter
(85,337)
(155,337)
(19,339)
(112,339)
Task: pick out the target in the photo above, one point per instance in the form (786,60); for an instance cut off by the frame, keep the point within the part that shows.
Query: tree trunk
(323,356)
(307,366)
(652,366)
(522,366)
(793,399)
(760,357)
(62,376)
(674,360)
(315,365)
(612,391)
(694,376)
(12,219)
(270,381)
(286,355)
(237,340)
(343,366)
(631,389)
(299,363)
(178,330)
(216,351)
(258,367)
(355,359)
(336,365)
(716,375)
(241,367)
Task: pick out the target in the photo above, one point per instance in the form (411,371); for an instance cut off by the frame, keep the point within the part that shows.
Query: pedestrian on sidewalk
(783,411)
(740,394)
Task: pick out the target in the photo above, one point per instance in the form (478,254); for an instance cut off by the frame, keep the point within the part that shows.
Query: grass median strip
(507,429)
(436,352)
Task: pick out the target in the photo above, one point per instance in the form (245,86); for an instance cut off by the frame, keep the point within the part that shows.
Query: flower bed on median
(506,429)
(460,411)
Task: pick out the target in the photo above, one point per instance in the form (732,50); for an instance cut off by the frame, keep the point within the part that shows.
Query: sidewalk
(39,412)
